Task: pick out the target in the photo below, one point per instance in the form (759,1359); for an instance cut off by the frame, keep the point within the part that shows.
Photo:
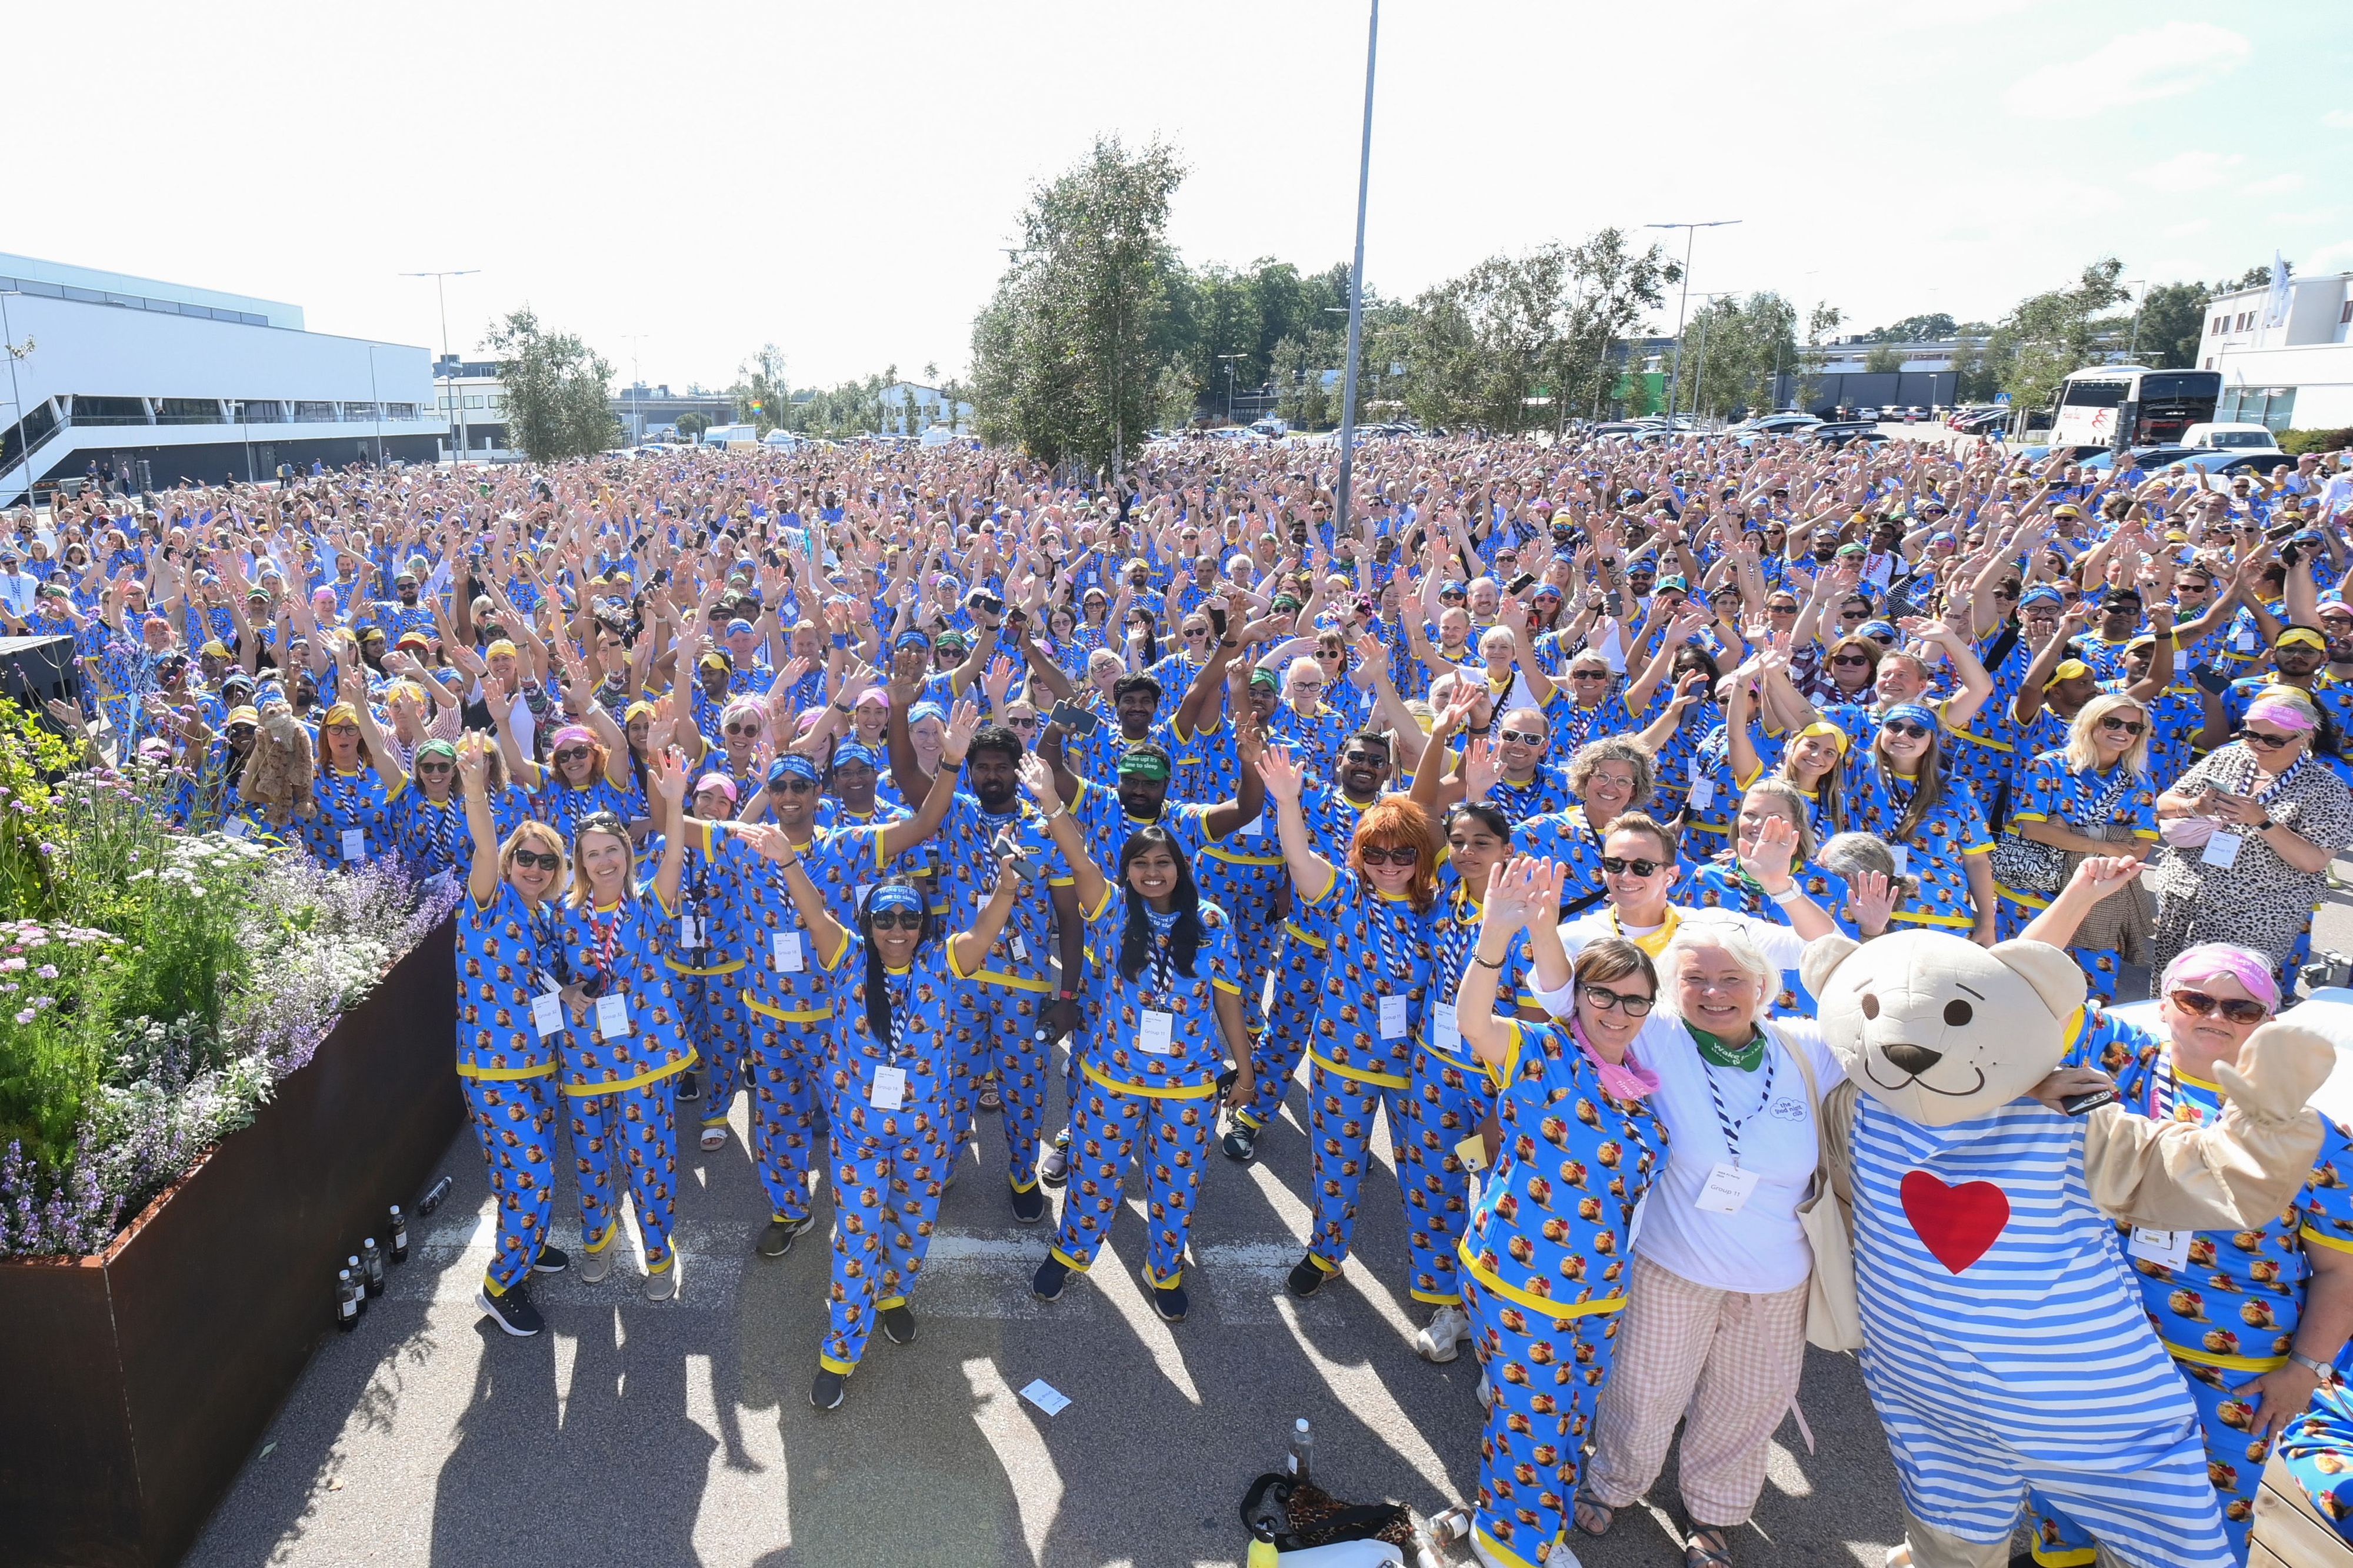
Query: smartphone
(2212,680)
(1521,584)
(1217,620)
(1614,602)
(2076,1104)
(1003,848)
(987,603)
(1074,719)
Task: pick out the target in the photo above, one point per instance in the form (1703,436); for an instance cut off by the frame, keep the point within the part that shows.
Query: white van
(2230,438)
(730,435)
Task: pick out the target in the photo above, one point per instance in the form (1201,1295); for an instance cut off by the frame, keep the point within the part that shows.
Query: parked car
(2231,437)
(1785,423)
(2147,458)
(1839,433)
(2224,463)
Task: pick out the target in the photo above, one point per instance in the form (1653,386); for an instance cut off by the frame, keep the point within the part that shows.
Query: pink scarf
(1620,1080)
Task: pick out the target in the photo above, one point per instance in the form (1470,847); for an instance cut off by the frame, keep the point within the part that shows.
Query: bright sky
(683,186)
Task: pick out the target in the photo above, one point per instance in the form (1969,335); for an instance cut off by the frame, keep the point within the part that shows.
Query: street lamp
(1691,237)
(457,398)
(1229,384)
(637,384)
(1341,518)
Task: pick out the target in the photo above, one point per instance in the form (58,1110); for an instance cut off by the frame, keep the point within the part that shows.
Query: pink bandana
(1620,1080)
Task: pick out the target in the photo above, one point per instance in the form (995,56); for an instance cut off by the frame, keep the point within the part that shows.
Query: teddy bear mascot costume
(2004,1343)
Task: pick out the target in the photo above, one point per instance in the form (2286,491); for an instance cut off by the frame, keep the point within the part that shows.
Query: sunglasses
(1588,675)
(2268,741)
(742,729)
(1851,660)
(539,860)
(1403,855)
(1023,723)
(792,784)
(2122,726)
(1853,614)
(1617,865)
(2235,1010)
(2005,593)
(1525,737)
(896,920)
(1605,999)
(436,765)
(1911,728)
(572,755)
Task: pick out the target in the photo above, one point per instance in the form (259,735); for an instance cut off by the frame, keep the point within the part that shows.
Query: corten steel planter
(134,1383)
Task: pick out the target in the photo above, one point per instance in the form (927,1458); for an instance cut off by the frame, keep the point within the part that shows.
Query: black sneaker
(551,1260)
(511,1310)
(1169,1300)
(1029,1207)
(826,1391)
(689,1087)
(1240,1144)
(899,1324)
(1051,1276)
(779,1238)
(1307,1277)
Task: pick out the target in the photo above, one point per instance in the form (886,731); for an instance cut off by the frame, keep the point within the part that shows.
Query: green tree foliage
(693,423)
(761,392)
(2047,336)
(558,391)
(2172,320)
(1881,359)
(1918,329)
(1067,356)
(1748,342)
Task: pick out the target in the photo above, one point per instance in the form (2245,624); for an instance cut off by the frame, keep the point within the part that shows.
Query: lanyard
(608,938)
(1378,914)
(1162,976)
(1454,946)
(1732,1130)
(902,999)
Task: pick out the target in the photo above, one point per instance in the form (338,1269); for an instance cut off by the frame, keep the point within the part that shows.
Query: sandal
(990,1099)
(1587,1503)
(1698,1553)
(714,1139)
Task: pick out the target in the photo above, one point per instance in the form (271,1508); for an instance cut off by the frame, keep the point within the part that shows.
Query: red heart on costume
(1958,1223)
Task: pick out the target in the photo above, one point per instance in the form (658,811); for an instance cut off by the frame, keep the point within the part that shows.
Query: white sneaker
(1486,1394)
(597,1263)
(1448,1328)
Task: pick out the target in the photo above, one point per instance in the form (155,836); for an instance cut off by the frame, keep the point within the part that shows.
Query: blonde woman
(2093,797)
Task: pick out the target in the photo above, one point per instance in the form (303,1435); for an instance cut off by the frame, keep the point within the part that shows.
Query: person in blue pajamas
(1544,1252)
(1906,794)
(2255,1319)
(506,1065)
(1165,1015)
(705,954)
(889,1081)
(1370,996)
(2094,797)
(358,787)
(625,1043)
(781,988)
(2317,1449)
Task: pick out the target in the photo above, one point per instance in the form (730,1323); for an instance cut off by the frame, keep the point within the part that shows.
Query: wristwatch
(1788,895)
(2265,824)
(2327,1373)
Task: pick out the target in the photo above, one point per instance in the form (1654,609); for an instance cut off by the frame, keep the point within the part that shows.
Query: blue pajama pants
(1968,1481)
(1108,1130)
(1546,1376)
(995,1028)
(786,1057)
(1444,1105)
(1340,1132)
(515,1119)
(712,1021)
(1250,895)
(1297,984)
(886,1196)
(2234,1463)
(637,1130)
(2317,1449)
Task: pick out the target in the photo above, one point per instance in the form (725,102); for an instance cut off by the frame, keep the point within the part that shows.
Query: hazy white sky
(685,184)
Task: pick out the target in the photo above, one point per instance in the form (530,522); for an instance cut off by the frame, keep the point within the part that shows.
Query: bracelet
(1497,965)
(2266,826)
(1788,895)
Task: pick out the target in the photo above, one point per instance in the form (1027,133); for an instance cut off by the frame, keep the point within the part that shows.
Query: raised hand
(1039,780)
(964,722)
(1482,768)
(1281,774)
(1768,858)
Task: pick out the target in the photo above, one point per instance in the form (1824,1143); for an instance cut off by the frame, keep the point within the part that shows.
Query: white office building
(157,381)
(2286,364)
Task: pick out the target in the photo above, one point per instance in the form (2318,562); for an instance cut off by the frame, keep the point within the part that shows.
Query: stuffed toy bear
(281,770)
(2004,1341)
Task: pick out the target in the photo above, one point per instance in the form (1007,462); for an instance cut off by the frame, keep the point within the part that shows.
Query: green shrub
(2295,443)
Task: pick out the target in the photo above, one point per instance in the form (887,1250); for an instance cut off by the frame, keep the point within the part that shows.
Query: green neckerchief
(1748,1059)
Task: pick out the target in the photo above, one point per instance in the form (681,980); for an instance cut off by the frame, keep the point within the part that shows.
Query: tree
(2172,322)
(761,392)
(558,391)
(1881,359)
(1747,344)
(1299,366)
(2051,335)
(1063,356)
(1920,328)
(692,423)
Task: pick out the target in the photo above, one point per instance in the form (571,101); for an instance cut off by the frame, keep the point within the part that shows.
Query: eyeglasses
(538,859)
(572,754)
(742,729)
(2122,726)
(342,730)
(1525,737)
(2234,1009)
(1909,727)
(896,920)
(1588,675)
(1605,999)
(1300,685)
(1617,865)
(1851,660)
(2268,741)
(1402,854)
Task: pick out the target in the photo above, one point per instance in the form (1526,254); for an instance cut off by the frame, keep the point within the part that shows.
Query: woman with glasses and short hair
(357,789)
(2255,1319)
(2281,816)
(2094,797)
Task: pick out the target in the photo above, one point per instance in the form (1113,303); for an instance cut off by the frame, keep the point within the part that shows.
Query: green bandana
(1747,1057)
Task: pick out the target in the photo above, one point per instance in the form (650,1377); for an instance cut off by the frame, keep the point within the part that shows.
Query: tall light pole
(1691,237)
(636,382)
(16,398)
(456,397)
(1699,373)
(1229,384)
(1342,518)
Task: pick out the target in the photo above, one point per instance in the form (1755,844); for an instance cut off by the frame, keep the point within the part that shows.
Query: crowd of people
(891,789)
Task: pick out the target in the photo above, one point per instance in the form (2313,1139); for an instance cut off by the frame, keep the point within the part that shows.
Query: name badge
(1158,1034)
(859,894)
(613,1017)
(693,932)
(890,1090)
(2244,642)
(1703,794)
(1726,1190)
(2221,850)
(2165,1248)
(786,948)
(1393,1019)
(1443,1030)
(1255,828)
(547,1014)
(1902,858)
(355,843)
(237,827)
(1020,949)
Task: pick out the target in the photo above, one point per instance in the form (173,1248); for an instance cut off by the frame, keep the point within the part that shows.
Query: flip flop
(1587,1501)
(1697,1554)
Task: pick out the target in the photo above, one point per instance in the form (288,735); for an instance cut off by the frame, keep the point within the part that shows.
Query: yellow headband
(2304,636)
(1824,727)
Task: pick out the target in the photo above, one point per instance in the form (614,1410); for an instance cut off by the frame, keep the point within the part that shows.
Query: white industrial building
(162,382)
(2286,363)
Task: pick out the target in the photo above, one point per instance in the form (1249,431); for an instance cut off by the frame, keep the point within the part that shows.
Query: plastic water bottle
(1302,1447)
(434,1195)
(372,1258)
(399,1236)
(347,1307)
(359,1288)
